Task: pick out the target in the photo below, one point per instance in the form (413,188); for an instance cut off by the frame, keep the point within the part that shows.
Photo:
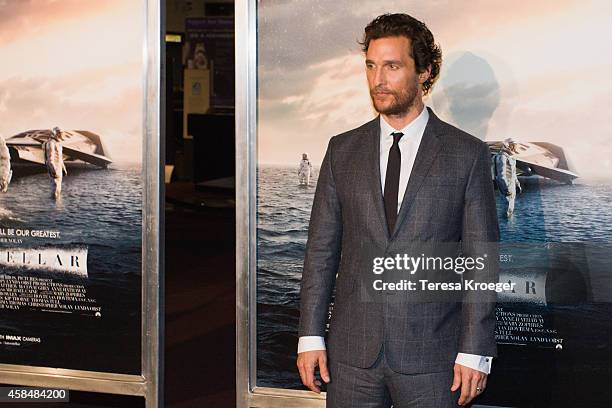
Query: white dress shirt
(408,145)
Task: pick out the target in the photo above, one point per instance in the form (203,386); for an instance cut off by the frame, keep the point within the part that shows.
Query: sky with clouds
(74,64)
(533,71)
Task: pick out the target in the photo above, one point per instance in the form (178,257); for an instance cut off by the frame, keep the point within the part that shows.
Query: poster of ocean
(71,128)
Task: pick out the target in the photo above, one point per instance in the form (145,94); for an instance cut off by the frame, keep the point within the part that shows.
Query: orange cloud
(25,18)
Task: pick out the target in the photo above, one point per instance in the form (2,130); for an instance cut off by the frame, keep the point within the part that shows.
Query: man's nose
(379,77)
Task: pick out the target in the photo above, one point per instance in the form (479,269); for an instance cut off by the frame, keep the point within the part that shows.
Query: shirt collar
(414,127)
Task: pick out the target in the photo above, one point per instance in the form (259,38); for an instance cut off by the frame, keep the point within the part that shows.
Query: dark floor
(200,307)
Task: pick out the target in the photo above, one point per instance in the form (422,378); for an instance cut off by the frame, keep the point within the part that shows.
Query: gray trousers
(380,387)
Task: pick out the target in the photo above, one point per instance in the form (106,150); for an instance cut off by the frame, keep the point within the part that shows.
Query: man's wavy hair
(424,51)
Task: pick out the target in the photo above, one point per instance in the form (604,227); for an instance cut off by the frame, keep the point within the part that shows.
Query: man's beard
(402,100)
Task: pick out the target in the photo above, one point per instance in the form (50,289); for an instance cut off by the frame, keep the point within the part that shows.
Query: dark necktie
(392,181)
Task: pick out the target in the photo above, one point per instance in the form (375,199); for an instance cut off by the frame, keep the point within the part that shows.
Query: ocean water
(546,213)
(99,209)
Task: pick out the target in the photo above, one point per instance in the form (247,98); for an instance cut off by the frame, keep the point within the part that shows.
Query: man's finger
(310,378)
(323,368)
(476,379)
(302,372)
(456,378)
(482,384)
(304,375)
(466,388)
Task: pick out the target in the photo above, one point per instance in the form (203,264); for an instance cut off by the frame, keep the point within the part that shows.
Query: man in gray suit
(405,176)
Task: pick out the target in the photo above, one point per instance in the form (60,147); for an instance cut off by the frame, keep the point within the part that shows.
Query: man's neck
(401,120)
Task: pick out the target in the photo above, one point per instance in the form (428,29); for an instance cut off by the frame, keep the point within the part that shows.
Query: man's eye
(392,66)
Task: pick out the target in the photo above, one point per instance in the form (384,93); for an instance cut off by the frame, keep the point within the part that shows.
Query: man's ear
(424,76)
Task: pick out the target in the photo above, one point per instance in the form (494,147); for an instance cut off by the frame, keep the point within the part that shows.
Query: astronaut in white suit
(54,160)
(505,174)
(5,166)
(305,170)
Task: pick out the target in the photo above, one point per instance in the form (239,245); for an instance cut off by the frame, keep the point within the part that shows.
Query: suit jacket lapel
(373,149)
(428,149)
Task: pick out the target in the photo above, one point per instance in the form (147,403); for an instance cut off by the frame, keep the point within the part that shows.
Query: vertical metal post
(153,162)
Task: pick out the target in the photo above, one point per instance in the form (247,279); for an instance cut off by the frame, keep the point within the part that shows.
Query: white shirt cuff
(476,362)
(310,343)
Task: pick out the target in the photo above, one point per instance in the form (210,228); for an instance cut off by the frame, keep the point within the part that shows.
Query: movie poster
(209,45)
(71,127)
(529,78)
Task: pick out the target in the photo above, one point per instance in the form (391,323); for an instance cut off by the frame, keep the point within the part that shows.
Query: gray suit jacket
(449,198)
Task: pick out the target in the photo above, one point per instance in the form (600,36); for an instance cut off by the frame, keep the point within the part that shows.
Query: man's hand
(307,362)
(469,380)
